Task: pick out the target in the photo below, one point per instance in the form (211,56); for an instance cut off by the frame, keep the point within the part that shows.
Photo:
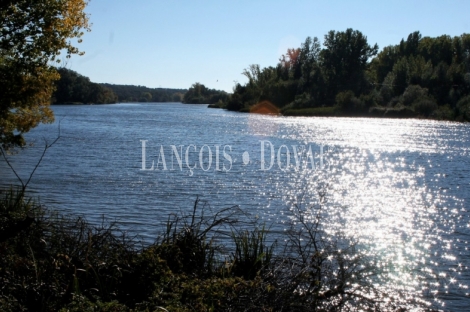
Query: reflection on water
(399,188)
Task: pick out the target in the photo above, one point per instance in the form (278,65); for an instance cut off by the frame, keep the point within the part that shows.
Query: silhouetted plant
(252,255)
(189,241)
(59,262)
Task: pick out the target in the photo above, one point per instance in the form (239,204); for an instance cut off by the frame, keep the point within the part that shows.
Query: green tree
(412,43)
(349,103)
(32,35)
(176,97)
(344,61)
(75,88)
(195,94)
(384,62)
(439,49)
(310,83)
(145,97)
(200,94)
(463,108)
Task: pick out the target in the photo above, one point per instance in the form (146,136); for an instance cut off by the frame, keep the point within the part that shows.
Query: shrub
(463,108)
(252,255)
(424,106)
(58,263)
(444,112)
(413,93)
(54,257)
(348,103)
(303,100)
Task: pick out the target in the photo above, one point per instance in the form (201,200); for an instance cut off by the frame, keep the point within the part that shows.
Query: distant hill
(73,88)
(131,93)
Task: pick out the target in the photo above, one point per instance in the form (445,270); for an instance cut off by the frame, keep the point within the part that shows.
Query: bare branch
(46,147)
(11,166)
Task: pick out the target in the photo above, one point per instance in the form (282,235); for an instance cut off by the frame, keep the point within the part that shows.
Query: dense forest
(344,76)
(130,93)
(199,94)
(420,76)
(73,88)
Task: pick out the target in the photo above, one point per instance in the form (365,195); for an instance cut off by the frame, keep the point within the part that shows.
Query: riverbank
(55,262)
(374,112)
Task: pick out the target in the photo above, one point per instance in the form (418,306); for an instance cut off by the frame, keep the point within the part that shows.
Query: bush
(47,261)
(348,103)
(413,93)
(371,99)
(386,90)
(235,103)
(303,100)
(57,263)
(444,112)
(252,255)
(425,106)
(463,108)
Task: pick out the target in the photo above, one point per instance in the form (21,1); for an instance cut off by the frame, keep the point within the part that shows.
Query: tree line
(73,88)
(131,93)
(200,94)
(347,76)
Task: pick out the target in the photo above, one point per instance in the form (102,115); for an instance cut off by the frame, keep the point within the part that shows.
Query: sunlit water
(400,188)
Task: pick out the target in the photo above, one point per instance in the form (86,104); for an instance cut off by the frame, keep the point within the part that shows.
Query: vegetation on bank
(199,94)
(73,88)
(419,77)
(141,94)
(202,262)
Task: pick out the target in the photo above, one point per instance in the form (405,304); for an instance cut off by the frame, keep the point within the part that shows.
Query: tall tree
(32,35)
(199,94)
(345,59)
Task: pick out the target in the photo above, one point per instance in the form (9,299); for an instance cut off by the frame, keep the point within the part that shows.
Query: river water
(401,188)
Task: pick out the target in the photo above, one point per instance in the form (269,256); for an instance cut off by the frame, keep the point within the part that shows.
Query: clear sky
(173,44)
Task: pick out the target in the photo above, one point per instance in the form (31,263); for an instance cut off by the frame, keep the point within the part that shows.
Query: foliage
(252,256)
(74,88)
(463,108)
(348,103)
(199,94)
(424,76)
(344,61)
(46,262)
(51,262)
(32,34)
(130,93)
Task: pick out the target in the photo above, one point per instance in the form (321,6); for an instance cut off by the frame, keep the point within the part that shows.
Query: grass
(202,261)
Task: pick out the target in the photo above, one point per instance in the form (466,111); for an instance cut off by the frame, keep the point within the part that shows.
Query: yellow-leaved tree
(33,34)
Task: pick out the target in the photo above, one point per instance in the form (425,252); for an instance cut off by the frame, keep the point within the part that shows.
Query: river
(399,187)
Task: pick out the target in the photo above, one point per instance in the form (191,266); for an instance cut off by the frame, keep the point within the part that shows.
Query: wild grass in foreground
(201,262)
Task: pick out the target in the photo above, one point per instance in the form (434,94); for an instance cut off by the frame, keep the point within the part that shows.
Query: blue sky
(173,44)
